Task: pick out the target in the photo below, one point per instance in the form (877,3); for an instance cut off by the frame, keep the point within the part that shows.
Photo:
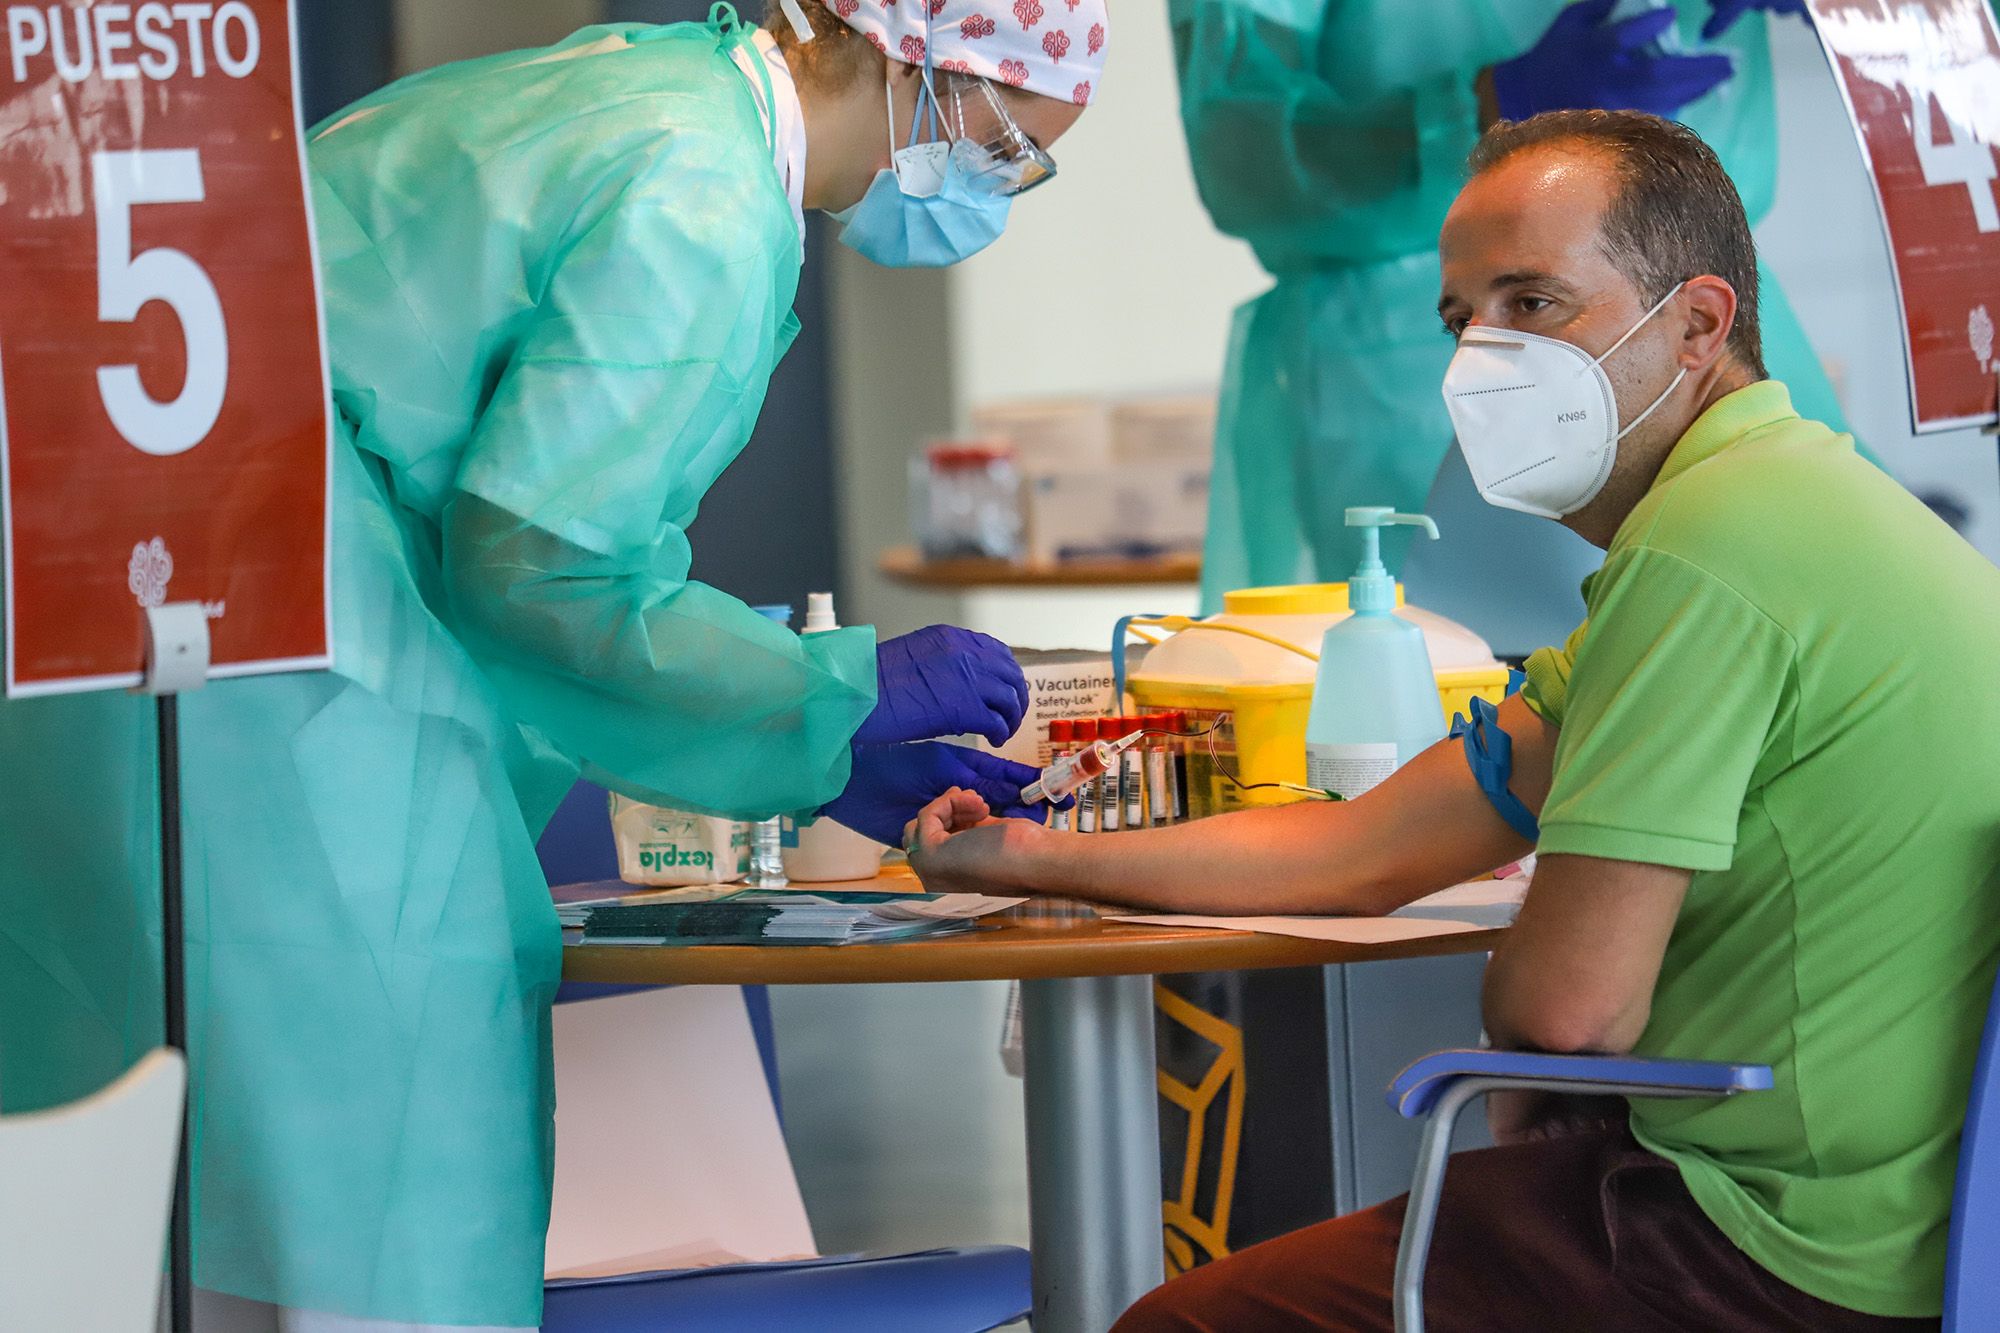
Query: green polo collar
(1750,408)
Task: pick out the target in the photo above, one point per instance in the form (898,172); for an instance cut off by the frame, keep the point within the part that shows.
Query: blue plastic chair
(965,1290)
(1442,1085)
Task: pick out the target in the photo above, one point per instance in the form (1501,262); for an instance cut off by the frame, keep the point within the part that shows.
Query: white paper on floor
(668,1150)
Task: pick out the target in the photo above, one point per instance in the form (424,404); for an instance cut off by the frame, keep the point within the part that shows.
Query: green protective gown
(1332,136)
(556,285)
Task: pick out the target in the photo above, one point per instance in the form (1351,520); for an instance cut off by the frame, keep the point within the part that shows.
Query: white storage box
(1052,431)
(1113,513)
(1150,432)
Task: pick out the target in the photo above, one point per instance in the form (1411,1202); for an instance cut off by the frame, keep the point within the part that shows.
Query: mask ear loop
(889,105)
(796,16)
(1643,320)
(1665,393)
(924,110)
(924,116)
(931,105)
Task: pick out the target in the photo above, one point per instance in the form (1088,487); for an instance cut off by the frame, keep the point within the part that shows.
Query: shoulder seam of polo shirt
(1587,837)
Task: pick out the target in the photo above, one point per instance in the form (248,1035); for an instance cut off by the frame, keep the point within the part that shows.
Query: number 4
(126,282)
(1960,160)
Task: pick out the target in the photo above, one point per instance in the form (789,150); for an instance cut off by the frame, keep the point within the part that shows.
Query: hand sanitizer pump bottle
(1375,701)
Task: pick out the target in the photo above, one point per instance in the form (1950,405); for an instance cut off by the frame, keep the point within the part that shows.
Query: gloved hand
(1724,13)
(891,783)
(944,681)
(1585,62)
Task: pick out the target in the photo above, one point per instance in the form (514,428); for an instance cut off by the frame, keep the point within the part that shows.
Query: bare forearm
(1426,828)
(1280,859)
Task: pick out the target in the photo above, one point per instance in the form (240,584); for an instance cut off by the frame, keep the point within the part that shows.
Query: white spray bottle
(1375,700)
(826,851)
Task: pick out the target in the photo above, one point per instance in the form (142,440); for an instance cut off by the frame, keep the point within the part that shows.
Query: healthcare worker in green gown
(556,283)
(1331,135)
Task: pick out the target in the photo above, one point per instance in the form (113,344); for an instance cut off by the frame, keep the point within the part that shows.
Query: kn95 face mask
(1536,417)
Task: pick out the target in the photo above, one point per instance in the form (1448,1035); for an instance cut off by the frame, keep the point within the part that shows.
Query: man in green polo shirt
(1767,775)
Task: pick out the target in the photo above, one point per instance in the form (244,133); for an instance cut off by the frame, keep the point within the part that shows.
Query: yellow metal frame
(1182,1229)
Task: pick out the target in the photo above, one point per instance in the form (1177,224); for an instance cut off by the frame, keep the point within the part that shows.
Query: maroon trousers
(1587,1232)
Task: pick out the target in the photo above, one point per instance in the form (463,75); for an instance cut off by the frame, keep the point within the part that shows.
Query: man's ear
(1711,314)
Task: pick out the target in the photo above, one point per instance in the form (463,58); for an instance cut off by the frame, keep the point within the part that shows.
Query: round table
(1090,1086)
(1011,946)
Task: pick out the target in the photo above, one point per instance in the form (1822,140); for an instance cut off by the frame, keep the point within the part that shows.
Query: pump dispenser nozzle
(1371,589)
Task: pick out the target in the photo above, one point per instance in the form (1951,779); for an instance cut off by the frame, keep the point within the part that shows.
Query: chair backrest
(576,847)
(1971,1288)
(85,1191)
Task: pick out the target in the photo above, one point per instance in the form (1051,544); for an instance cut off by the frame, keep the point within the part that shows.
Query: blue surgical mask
(928,210)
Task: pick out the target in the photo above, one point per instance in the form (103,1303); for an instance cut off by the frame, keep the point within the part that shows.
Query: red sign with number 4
(1922,82)
(163,401)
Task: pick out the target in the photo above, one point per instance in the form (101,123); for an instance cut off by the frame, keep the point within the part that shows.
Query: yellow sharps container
(1245,678)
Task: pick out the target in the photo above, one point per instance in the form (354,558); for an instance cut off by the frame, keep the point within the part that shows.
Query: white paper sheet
(946,907)
(668,1150)
(1343,929)
(1491,903)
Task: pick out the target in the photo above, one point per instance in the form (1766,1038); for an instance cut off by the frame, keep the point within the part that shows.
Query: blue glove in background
(1585,62)
(945,681)
(1724,13)
(891,783)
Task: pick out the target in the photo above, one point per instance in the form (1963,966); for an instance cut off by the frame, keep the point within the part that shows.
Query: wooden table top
(1009,945)
(907,565)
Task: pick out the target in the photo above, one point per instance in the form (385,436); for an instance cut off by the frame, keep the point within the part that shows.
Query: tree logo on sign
(149,571)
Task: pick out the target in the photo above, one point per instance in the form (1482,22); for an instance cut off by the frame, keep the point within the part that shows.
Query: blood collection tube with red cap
(1062,743)
(1073,771)
(1132,772)
(1181,749)
(1159,769)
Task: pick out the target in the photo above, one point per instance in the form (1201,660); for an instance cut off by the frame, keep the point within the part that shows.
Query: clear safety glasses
(971,117)
(968,115)
(999,152)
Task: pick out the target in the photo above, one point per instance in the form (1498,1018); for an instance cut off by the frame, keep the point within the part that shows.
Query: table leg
(1093,1148)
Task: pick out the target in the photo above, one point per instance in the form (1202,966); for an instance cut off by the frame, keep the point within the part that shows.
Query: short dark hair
(1676,215)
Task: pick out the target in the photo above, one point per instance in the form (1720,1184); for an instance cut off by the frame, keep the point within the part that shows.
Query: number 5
(125,283)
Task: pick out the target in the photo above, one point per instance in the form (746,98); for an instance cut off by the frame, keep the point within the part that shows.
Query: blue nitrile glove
(1586,62)
(891,783)
(1724,13)
(945,681)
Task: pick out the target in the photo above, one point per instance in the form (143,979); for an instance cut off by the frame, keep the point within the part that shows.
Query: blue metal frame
(1442,1085)
(1418,1088)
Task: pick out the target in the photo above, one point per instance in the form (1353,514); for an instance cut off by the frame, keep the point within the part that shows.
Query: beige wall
(430,32)
(1110,280)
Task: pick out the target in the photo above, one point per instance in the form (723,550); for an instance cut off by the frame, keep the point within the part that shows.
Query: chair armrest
(1418,1087)
(1443,1084)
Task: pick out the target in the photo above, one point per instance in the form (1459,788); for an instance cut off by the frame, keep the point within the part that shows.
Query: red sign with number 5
(1922,82)
(163,401)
